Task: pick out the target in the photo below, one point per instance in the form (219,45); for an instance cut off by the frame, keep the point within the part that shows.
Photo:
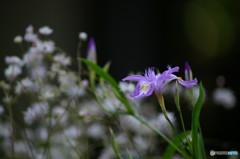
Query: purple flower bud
(91,51)
(188,72)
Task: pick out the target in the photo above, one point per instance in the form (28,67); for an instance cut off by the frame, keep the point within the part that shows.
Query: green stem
(173,127)
(183,153)
(184,130)
(13,129)
(78,59)
(163,108)
(164,111)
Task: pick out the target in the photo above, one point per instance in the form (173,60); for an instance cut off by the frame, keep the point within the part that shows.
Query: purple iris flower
(151,82)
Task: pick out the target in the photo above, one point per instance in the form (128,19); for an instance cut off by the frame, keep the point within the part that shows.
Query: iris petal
(188,84)
(143,89)
(134,78)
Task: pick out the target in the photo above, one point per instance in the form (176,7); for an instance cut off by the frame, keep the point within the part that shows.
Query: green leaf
(114,144)
(103,74)
(105,68)
(170,150)
(198,148)
(129,155)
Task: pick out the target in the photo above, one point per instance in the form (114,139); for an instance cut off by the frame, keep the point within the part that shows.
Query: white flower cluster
(60,114)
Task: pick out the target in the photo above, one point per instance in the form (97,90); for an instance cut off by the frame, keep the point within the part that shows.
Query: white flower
(112,104)
(1,109)
(13,60)
(42,133)
(127,87)
(95,131)
(29,29)
(26,85)
(62,59)
(122,139)
(5,130)
(12,72)
(195,91)
(20,147)
(45,46)
(83,36)
(224,97)
(84,83)
(60,114)
(45,30)
(107,153)
(89,108)
(17,39)
(75,91)
(34,111)
(171,89)
(141,143)
(132,124)
(162,124)
(7,99)
(48,91)
(72,132)
(66,80)
(29,35)
(33,56)
(38,72)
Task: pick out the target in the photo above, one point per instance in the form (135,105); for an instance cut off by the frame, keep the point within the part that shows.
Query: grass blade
(170,150)
(197,150)
(103,74)
(114,144)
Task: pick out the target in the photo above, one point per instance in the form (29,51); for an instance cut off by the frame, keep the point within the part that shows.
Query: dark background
(134,35)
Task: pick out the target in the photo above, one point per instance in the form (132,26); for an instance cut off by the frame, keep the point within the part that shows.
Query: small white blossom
(107,153)
(38,72)
(45,46)
(42,133)
(122,139)
(83,36)
(26,85)
(195,92)
(18,39)
(12,72)
(7,99)
(45,30)
(13,60)
(224,97)
(4,85)
(127,87)
(141,143)
(5,130)
(29,29)
(132,124)
(162,124)
(112,104)
(85,83)
(95,131)
(34,111)
(1,109)
(89,108)
(62,59)
(20,147)
(75,91)
(48,92)
(66,80)
(32,57)
(29,35)
(60,114)
(72,132)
